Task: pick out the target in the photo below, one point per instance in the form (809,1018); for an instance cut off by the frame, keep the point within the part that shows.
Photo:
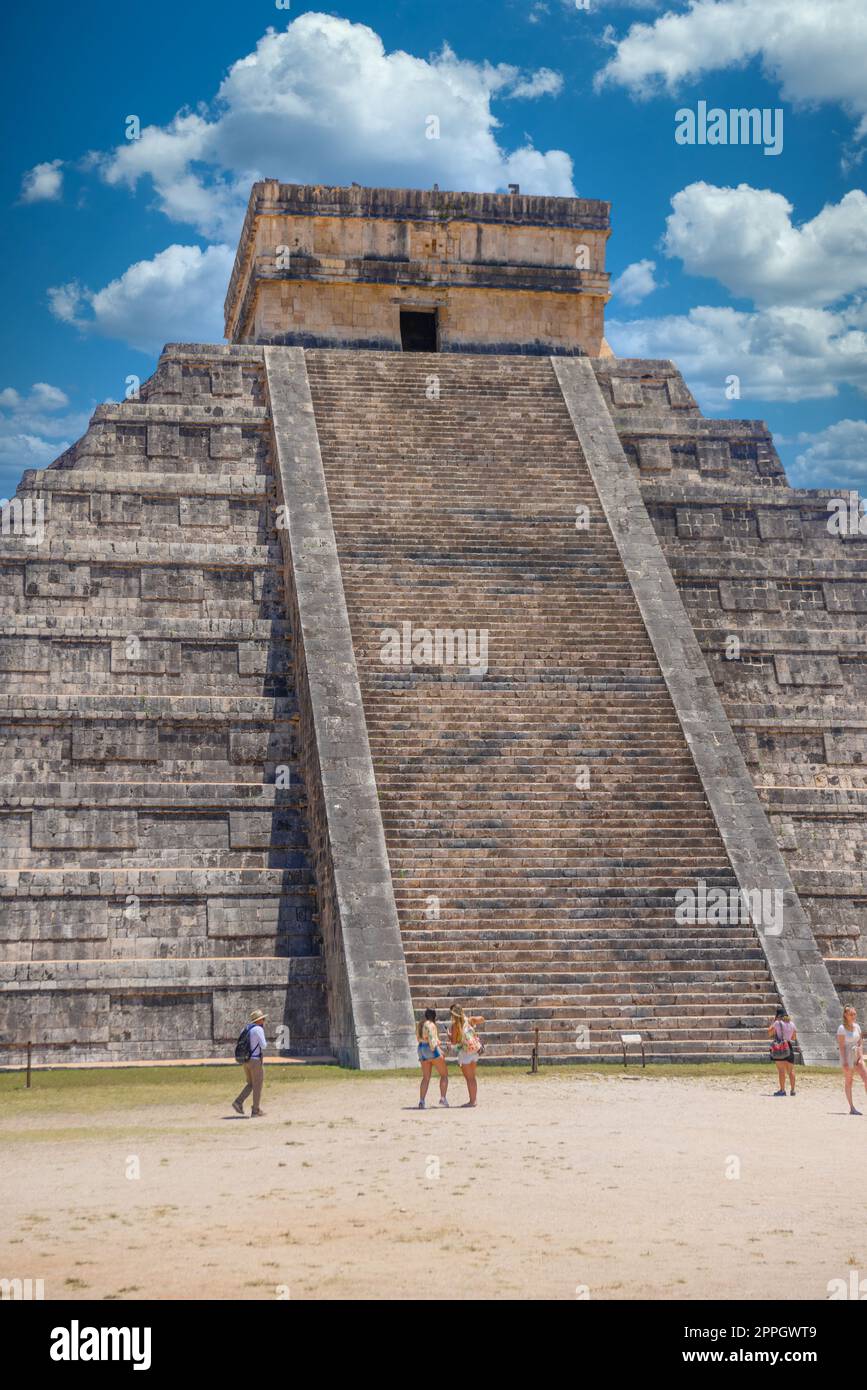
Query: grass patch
(85,1092)
(129,1088)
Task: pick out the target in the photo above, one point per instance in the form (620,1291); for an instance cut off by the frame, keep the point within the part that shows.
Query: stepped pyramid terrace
(411,648)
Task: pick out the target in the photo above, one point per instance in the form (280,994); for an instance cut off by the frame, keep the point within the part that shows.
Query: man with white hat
(254,1069)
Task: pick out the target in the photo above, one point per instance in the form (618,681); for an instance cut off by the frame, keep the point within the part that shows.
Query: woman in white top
(469,1045)
(851,1048)
(783,1035)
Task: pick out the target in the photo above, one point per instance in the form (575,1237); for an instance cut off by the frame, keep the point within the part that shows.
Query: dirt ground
(565,1185)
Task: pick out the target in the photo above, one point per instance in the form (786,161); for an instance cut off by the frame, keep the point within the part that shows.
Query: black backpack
(243,1050)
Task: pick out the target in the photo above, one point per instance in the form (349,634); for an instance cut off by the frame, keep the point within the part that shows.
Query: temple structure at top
(412,269)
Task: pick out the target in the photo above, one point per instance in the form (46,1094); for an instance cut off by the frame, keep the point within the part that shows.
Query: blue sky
(728,260)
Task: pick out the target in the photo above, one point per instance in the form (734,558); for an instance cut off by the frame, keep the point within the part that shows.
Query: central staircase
(539,819)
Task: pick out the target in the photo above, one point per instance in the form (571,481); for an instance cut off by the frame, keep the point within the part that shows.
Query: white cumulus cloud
(815,50)
(834,457)
(323,102)
(176,296)
(635,283)
(43,183)
(745,238)
(35,427)
(542,83)
(779,354)
(804,335)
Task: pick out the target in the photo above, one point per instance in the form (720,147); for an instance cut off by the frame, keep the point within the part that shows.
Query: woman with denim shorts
(430,1055)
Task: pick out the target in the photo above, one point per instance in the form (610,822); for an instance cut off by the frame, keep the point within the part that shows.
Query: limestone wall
(333,267)
(156,880)
(310,314)
(778,604)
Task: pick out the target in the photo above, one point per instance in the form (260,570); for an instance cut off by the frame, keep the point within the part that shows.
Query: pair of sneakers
(422,1105)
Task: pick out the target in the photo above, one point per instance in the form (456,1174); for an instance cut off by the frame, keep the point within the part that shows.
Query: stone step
(695,1020)
(169,771)
(73,627)
(539,937)
(143,488)
(587,956)
(262,799)
(609,972)
(193,551)
(193,709)
(156,880)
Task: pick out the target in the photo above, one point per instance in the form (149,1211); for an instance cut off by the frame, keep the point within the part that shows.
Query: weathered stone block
(749,746)
(654,455)
(115,742)
(774,525)
(252,658)
(226,442)
(144,657)
(251,829)
(250,745)
(784,828)
(21,654)
(83,828)
(115,509)
(58,1016)
(243,917)
(54,919)
(808,670)
(226,380)
(749,596)
(848,748)
(161,1019)
(163,441)
(699,523)
(626,391)
(713,457)
(205,511)
(52,579)
(159,832)
(175,585)
(14,832)
(170,378)
(679,397)
(845,597)
(100,442)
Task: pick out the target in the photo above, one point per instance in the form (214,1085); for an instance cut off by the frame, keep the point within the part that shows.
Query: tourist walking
(851,1045)
(430,1055)
(783,1035)
(470,1047)
(253,1062)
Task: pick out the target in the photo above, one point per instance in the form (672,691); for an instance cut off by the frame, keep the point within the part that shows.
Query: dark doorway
(418,331)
